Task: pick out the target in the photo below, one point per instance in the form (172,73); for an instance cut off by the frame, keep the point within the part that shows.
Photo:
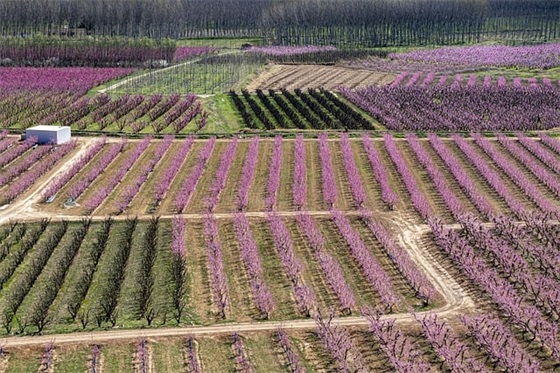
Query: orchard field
(280,187)
(360,226)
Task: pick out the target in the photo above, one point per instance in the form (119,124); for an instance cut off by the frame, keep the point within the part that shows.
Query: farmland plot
(421,177)
(346,224)
(299,110)
(430,103)
(423,348)
(102,113)
(291,77)
(88,274)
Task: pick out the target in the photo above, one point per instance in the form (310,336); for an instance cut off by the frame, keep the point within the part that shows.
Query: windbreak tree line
(352,23)
(358,23)
(133,18)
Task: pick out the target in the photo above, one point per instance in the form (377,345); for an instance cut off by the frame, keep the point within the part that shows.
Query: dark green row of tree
(313,109)
(347,23)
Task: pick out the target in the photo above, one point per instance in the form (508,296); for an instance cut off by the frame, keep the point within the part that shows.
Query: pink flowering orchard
(280,186)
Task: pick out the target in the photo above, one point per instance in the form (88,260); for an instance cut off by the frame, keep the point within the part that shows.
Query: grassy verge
(73,358)
(223,117)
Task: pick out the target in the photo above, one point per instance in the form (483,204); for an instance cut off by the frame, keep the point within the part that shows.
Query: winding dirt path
(23,207)
(456,299)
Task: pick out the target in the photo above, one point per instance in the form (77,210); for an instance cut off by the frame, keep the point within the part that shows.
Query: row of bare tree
(360,22)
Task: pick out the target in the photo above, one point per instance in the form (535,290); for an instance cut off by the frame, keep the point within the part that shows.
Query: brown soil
(315,76)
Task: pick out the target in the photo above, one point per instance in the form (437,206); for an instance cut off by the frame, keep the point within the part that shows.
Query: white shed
(49,134)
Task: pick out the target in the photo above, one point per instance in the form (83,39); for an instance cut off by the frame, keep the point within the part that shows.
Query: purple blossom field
(543,56)
(186,53)
(77,79)
(287,50)
(461,108)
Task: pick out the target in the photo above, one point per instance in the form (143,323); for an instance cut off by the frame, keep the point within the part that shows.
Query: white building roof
(46,128)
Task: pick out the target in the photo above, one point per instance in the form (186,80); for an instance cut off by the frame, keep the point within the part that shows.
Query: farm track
(36,216)
(456,299)
(14,210)
(291,139)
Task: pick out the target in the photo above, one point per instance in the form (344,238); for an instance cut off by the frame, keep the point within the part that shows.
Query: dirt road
(456,302)
(24,206)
